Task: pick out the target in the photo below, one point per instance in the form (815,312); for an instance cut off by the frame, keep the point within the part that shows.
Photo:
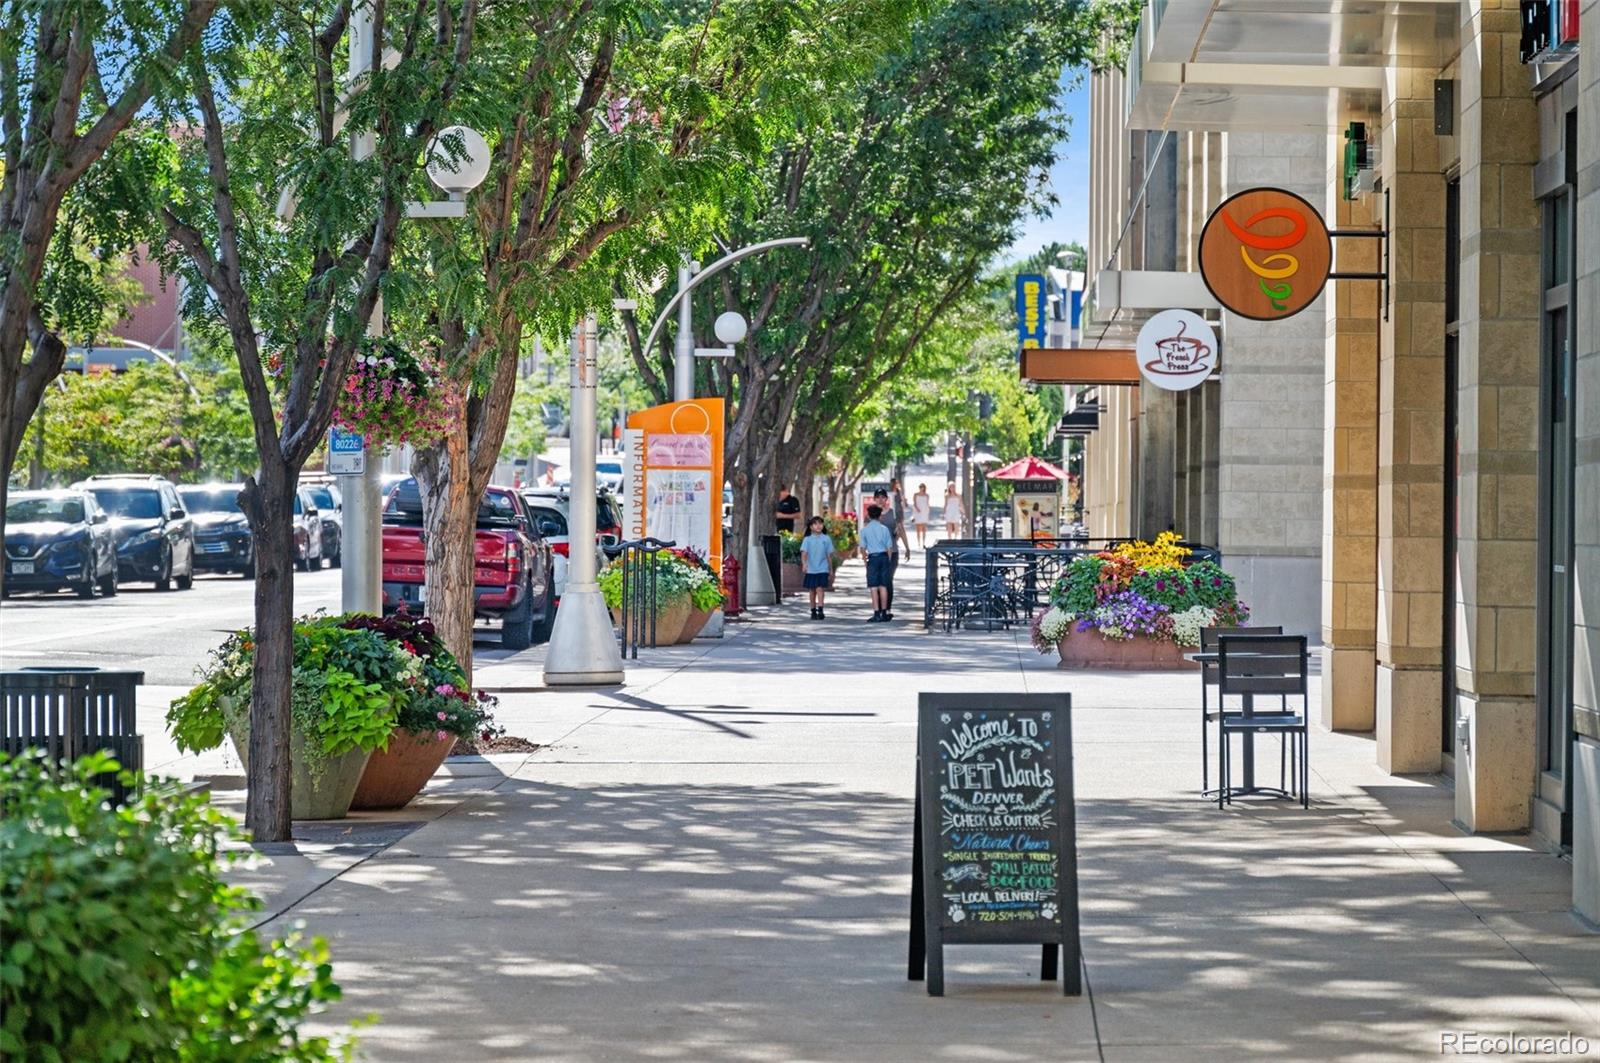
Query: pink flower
(443,716)
(441,735)
(444,688)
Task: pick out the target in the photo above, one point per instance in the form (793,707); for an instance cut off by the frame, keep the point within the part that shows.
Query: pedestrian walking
(897,500)
(891,520)
(921,514)
(816,553)
(788,509)
(955,516)
(875,543)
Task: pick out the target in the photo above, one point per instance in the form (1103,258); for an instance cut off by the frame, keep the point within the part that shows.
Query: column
(1497,405)
(1350,468)
(1411,469)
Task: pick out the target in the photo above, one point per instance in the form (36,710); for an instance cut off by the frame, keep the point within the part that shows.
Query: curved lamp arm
(716,267)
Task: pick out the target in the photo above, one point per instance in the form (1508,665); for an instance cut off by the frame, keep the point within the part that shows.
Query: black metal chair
(1269,665)
(1208,679)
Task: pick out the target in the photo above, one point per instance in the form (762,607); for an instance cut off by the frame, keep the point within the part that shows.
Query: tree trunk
(449,515)
(268,503)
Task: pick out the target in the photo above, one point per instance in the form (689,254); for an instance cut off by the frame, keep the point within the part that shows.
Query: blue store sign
(1032,310)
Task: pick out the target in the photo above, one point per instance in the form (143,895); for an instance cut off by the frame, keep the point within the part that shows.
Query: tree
(917,181)
(73,76)
(193,426)
(622,131)
(293,298)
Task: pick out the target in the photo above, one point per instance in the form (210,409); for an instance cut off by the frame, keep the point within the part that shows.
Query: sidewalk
(712,863)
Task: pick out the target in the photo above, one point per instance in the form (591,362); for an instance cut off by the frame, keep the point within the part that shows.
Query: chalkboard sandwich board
(995,856)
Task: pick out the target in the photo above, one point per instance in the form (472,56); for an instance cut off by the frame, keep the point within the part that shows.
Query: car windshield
(322,497)
(136,503)
(63,508)
(210,499)
(609,468)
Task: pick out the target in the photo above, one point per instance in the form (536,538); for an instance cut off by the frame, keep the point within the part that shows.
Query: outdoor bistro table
(1249,710)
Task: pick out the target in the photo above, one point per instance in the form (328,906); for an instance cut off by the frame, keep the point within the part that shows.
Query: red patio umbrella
(1029,468)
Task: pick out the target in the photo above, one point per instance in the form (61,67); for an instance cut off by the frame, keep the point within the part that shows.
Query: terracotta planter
(1088,649)
(693,625)
(794,577)
(323,794)
(671,615)
(397,774)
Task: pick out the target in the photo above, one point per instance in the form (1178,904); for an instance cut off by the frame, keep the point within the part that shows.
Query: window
(63,509)
(133,503)
(210,499)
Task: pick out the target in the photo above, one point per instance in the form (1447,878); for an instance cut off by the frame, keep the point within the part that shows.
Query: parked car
(607,515)
(150,526)
(513,578)
(59,540)
(223,541)
(550,515)
(330,506)
(307,531)
(608,472)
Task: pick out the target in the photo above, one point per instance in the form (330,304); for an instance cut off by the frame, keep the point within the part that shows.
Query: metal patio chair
(1264,665)
(1208,679)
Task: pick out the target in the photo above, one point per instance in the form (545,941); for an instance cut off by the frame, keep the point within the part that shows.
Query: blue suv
(58,539)
(152,529)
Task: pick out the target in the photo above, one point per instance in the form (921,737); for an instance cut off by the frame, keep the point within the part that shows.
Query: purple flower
(1161,584)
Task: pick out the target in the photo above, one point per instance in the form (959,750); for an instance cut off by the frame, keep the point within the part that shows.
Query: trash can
(69,712)
(772,549)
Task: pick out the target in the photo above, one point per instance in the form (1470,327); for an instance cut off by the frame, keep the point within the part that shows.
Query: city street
(165,634)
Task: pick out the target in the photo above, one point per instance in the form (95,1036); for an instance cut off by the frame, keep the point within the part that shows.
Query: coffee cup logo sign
(1177,350)
(1265,254)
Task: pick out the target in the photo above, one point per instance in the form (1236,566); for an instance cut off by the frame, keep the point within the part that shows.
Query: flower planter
(321,793)
(395,775)
(694,624)
(1089,649)
(794,577)
(671,615)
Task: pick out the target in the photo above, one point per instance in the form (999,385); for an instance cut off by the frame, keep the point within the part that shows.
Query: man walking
(788,509)
(875,544)
(890,520)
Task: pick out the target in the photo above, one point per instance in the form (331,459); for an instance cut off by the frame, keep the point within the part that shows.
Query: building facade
(1408,469)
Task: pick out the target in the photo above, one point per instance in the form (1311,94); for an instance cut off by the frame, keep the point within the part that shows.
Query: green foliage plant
(120,940)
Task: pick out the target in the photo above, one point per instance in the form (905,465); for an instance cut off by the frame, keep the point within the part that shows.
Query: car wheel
(163,582)
(186,580)
(86,591)
(337,557)
(304,563)
(108,583)
(516,630)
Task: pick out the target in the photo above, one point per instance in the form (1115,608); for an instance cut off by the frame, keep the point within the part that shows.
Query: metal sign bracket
(1381,276)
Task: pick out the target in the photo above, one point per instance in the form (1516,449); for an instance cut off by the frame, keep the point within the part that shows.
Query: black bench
(68,712)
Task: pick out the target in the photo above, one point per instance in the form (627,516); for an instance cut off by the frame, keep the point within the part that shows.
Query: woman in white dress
(921,514)
(955,517)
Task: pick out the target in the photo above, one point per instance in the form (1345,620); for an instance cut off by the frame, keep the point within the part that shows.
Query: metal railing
(68,712)
(999,582)
(639,592)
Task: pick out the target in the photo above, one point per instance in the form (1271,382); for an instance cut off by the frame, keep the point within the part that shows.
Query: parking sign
(347,452)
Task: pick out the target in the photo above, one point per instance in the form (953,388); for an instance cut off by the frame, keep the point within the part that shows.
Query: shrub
(122,942)
(1167,586)
(1074,592)
(1211,585)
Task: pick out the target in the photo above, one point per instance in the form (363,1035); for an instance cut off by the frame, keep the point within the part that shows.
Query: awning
(1029,468)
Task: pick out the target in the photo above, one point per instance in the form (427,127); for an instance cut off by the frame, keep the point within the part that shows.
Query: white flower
(1187,624)
(1053,627)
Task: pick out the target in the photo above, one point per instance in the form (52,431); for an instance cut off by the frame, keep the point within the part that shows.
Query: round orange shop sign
(1265,254)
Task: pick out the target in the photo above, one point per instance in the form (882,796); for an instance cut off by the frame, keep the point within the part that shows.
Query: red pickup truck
(513,571)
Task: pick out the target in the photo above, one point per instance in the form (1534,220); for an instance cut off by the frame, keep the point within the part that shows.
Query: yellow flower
(1164,552)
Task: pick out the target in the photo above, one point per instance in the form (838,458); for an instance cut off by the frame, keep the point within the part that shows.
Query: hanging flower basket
(394,396)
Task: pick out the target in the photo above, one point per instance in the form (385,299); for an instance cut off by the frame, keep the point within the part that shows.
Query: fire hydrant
(730,583)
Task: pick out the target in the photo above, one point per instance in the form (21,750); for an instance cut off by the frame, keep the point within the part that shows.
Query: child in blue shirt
(816,554)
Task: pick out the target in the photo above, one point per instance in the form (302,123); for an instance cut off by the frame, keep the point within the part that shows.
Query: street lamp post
(730,328)
(582,650)
(361,574)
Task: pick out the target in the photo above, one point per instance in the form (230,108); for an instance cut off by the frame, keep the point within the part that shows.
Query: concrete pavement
(712,863)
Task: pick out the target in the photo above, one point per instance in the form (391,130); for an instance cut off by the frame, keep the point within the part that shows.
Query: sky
(1069,179)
